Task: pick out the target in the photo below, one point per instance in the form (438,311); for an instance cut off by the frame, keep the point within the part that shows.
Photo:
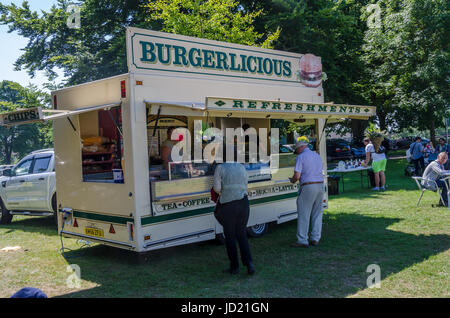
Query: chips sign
(21,116)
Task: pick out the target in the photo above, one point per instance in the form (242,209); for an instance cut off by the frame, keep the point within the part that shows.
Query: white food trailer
(112,185)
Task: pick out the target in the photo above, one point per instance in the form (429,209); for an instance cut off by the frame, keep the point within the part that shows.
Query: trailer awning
(174,108)
(226,107)
(37,114)
(292,111)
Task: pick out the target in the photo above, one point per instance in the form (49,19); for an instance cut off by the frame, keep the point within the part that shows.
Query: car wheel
(55,209)
(257,230)
(5,216)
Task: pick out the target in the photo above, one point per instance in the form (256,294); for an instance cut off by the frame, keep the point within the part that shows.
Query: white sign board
(150,52)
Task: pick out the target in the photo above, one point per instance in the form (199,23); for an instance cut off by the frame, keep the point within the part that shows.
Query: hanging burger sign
(310,70)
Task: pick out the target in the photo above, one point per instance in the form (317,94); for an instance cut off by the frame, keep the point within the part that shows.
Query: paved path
(397,157)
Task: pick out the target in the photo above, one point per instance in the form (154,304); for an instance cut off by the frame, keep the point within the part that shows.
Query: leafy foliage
(399,64)
(94,51)
(407,63)
(20,140)
(329,29)
(221,20)
(372,132)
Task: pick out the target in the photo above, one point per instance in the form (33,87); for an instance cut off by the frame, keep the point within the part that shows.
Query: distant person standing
(441,147)
(230,182)
(309,171)
(428,149)
(379,161)
(416,149)
(366,141)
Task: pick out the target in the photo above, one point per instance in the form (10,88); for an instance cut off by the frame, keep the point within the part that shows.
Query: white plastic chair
(423,188)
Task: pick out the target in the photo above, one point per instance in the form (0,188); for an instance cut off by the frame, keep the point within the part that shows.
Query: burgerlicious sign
(150,51)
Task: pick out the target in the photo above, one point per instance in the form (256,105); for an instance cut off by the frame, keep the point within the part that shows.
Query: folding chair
(423,188)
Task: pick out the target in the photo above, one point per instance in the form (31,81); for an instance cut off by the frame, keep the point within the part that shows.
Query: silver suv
(30,187)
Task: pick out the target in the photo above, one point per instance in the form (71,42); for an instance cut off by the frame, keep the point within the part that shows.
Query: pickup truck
(4,167)
(30,187)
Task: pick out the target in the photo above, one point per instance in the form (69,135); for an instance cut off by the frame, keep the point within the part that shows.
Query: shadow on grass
(34,224)
(337,268)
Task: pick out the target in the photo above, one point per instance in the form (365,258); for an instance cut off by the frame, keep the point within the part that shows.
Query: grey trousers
(310,209)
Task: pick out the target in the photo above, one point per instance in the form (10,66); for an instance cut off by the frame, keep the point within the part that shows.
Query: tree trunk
(358,126)
(382,120)
(8,147)
(433,131)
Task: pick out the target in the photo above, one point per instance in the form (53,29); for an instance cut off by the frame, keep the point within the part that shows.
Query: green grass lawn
(397,153)
(410,244)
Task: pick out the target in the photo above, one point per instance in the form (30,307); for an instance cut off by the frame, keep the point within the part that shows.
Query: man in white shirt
(308,171)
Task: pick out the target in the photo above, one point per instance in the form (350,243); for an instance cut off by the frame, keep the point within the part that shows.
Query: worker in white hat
(309,171)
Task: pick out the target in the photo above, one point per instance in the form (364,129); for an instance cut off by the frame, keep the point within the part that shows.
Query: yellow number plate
(93,232)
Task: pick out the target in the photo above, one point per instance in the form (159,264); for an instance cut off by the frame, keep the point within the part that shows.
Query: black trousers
(234,217)
(419,166)
(443,188)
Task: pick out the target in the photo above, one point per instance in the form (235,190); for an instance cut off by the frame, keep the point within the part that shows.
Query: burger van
(113,186)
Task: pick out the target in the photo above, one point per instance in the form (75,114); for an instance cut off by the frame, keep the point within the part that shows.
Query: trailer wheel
(257,230)
(5,216)
(55,210)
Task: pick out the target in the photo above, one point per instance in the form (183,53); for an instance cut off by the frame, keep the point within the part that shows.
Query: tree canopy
(20,140)
(392,54)
(407,60)
(93,51)
(220,20)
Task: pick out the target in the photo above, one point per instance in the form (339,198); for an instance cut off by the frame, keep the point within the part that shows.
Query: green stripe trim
(169,217)
(274,198)
(173,216)
(101,217)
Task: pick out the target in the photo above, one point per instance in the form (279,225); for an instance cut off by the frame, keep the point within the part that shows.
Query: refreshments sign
(150,51)
(227,104)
